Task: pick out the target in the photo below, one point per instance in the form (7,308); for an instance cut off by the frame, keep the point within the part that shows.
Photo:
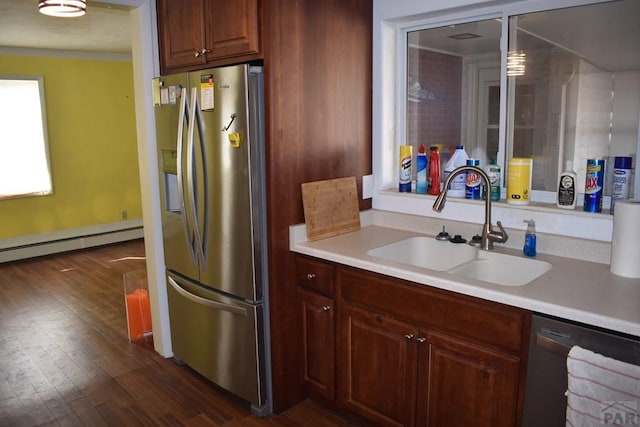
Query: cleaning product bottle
(566,196)
(493,172)
(405,168)
(458,184)
(621,180)
(434,171)
(421,170)
(530,238)
(473,187)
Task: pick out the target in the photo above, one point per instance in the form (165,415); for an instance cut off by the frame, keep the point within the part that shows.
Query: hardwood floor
(65,358)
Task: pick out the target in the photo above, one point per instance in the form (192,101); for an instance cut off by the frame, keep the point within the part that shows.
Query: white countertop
(581,291)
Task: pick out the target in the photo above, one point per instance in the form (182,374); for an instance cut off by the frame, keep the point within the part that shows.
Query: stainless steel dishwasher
(545,402)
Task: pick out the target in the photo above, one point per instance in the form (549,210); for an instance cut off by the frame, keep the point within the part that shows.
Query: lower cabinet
(378,369)
(316,300)
(402,354)
(395,374)
(464,384)
(318,360)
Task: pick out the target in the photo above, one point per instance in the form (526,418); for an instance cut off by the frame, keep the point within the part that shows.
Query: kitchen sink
(463,260)
(426,252)
(501,269)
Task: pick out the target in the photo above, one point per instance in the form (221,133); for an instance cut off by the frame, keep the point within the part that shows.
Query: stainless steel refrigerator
(210,136)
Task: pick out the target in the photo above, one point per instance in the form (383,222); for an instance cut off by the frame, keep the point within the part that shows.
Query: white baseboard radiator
(35,245)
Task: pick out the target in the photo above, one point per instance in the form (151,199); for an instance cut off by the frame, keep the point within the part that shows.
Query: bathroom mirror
(576,96)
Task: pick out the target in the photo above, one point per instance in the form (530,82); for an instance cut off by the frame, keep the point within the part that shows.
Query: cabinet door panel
(379,366)
(233,28)
(181,30)
(318,344)
(464,384)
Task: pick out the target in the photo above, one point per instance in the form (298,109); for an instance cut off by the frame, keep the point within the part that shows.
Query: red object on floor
(138,314)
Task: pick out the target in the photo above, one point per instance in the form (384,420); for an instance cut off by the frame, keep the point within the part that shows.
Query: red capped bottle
(434,171)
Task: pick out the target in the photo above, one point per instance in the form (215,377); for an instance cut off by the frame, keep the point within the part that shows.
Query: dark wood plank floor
(65,358)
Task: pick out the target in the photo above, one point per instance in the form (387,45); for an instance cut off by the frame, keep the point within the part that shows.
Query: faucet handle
(499,237)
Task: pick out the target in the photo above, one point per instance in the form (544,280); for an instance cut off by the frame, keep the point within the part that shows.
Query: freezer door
(218,337)
(226,193)
(172,123)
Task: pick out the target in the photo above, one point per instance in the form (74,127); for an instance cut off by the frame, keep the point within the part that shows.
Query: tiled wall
(436,118)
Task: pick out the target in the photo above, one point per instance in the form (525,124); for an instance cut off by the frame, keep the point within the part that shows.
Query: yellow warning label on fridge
(206,92)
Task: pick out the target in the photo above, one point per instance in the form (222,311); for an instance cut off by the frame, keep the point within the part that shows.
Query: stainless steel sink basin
(463,260)
(426,252)
(501,269)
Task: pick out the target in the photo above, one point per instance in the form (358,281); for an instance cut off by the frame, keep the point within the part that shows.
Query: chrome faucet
(489,235)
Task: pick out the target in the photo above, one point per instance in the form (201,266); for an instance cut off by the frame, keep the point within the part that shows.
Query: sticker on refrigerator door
(173,94)
(206,92)
(164,95)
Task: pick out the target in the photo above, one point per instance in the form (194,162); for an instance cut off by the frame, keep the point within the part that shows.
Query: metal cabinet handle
(409,337)
(204,51)
(311,276)
(421,340)
(326,308)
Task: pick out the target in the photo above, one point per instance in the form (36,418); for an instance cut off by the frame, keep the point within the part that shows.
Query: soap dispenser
(530,238)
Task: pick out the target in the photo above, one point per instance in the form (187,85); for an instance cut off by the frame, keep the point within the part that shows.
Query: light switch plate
(367,186)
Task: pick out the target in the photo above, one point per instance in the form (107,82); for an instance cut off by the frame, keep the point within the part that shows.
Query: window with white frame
(24,154)
(575,96)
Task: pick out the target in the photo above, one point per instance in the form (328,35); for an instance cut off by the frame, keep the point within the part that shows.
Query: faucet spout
(489,234)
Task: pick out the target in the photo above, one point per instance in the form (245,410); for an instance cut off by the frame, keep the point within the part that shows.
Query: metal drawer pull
(326,308)
(409,337)
(311,276)
(421,340)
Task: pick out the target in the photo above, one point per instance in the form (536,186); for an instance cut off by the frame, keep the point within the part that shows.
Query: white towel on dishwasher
(602,390)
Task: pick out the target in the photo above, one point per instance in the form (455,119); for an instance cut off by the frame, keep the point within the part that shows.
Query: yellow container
(406,154)
(519,180)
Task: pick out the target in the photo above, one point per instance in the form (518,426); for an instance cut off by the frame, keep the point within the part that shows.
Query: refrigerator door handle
(206,302)
(183,115)
(195,120)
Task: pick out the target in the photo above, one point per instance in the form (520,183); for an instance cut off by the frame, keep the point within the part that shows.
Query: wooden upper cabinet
(181,33)
(197,33)
(233,28)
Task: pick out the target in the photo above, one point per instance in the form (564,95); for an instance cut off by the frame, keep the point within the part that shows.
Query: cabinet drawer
(467,317)
(315,275)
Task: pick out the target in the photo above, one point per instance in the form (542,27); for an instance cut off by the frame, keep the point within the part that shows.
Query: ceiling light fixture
(464,36)
(515,63)
(63,8)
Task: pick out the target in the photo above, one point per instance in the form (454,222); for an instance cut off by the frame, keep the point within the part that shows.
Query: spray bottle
(530,238)
(421,172)
(434,171)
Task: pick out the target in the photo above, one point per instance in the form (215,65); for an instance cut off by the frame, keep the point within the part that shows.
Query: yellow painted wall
(92,146)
